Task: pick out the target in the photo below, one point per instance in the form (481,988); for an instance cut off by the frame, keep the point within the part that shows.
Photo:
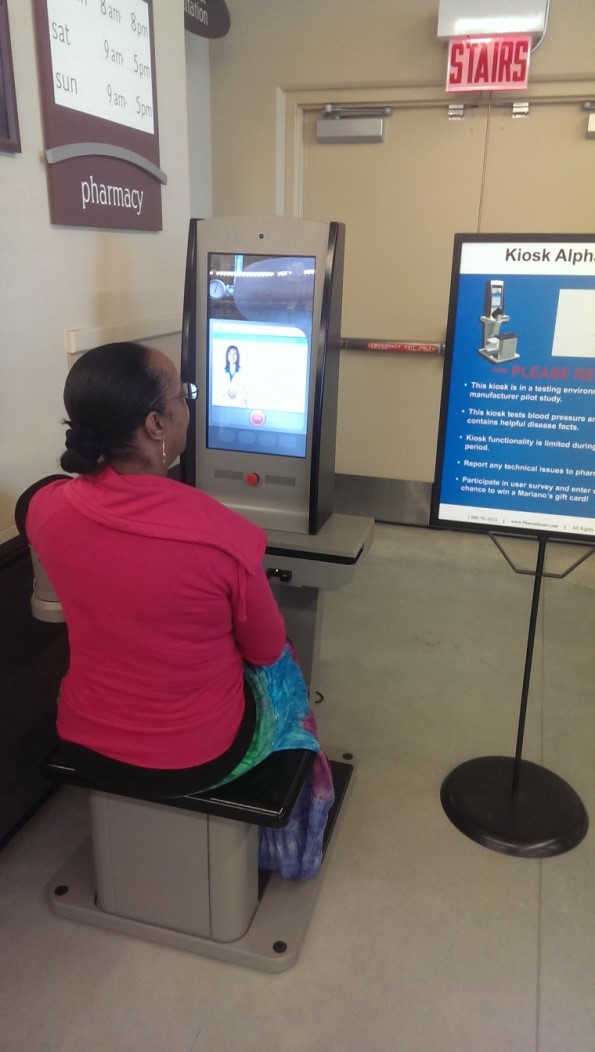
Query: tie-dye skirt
(284,720)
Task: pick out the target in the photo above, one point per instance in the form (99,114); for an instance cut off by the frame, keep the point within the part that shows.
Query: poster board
(516,448)
(99,104)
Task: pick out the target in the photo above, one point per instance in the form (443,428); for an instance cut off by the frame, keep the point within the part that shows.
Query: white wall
(198,91)
(54,279)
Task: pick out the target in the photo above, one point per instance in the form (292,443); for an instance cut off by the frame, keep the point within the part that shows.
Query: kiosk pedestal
(302,567)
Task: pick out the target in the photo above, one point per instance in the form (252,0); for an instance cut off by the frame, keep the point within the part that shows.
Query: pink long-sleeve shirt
(165,598)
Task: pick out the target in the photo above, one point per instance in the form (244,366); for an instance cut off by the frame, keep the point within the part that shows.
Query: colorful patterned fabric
(284,721)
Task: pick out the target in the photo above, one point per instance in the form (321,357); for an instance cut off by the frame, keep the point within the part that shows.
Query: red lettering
(495,55)
(505,60)
(521,58)
(481,70)
(455,73)
(471,59)
(488,62)
(539,372)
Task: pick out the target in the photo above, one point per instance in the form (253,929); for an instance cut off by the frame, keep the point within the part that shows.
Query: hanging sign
(206,18)
(99,102)
(495,63)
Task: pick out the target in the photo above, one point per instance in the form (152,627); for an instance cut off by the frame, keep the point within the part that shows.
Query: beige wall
(281,61)
(55,279)
(282,45)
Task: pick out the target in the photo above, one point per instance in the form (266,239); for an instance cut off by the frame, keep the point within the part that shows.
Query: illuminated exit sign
(495,63)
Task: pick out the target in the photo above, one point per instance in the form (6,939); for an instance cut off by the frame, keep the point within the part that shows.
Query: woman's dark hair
(232,347)
(108,394)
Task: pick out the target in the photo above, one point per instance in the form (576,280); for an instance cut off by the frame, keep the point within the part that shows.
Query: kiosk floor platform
(276,934)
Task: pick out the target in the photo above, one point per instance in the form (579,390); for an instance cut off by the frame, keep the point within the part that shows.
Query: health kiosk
(261,340)
(262,311)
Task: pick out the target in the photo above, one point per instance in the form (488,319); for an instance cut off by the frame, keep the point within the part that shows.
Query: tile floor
(421,940)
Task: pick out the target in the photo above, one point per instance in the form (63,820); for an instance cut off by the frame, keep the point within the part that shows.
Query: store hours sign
(99,99)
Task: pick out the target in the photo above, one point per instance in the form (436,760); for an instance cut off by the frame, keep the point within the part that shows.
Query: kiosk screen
(260,311)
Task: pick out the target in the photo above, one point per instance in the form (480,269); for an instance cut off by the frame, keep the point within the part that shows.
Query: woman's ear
(154,426)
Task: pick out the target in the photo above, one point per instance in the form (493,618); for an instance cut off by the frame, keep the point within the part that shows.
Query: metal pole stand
(509,804)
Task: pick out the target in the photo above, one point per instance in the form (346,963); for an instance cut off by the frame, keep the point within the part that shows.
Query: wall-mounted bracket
(520,109)
(352,123)
(342,110)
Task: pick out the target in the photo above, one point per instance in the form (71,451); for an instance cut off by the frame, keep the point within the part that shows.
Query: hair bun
(85,441)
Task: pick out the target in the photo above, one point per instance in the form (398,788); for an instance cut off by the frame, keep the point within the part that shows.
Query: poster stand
(509,804)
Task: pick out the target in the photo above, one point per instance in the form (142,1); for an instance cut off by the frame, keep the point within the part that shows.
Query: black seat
(265,796)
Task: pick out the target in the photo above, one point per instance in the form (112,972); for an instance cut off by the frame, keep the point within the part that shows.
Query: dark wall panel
(33,660)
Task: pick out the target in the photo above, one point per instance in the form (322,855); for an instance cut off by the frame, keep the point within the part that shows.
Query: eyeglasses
(189,394)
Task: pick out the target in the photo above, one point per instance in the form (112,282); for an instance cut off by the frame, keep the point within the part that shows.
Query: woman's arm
(261,636)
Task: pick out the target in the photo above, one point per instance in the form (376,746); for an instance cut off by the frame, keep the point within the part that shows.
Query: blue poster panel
(516,451)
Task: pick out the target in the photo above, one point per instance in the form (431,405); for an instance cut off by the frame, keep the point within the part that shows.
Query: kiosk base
(496,355)
(275,936)
(544,817)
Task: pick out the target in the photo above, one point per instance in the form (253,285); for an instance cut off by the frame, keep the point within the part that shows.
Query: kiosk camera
(261,338)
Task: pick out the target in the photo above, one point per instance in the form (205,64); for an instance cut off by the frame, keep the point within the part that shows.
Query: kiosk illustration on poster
(497,346)
(517,425)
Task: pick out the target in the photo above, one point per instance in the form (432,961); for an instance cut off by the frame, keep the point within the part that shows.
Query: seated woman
(180,673)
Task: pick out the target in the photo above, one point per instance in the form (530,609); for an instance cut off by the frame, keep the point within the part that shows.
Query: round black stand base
(544,817)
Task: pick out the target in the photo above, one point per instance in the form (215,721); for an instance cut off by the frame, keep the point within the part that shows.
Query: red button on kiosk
(252,479)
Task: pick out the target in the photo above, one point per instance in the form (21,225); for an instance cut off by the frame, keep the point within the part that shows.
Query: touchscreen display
(260,312)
